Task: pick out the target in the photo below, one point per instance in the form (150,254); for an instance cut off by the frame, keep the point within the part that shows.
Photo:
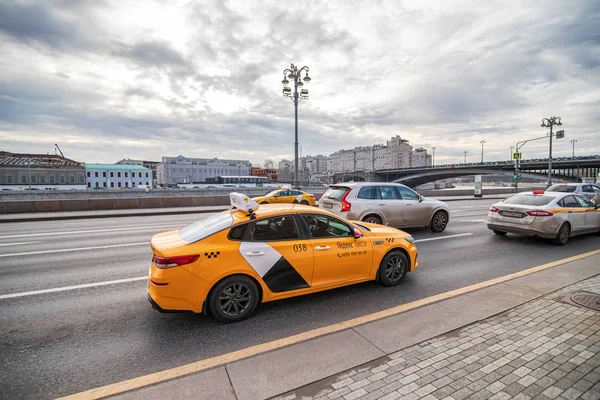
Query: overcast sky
(108,80)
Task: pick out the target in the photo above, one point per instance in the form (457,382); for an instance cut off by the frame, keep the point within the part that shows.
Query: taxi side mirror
(357,234)
(421,198)
(276,195)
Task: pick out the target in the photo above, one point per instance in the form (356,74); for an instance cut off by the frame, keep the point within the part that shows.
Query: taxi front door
(338,256)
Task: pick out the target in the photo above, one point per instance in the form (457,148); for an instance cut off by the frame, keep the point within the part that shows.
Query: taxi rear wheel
(393,268)
(265,202)
(233,299)
(562,237)
(373,219)
(304,202)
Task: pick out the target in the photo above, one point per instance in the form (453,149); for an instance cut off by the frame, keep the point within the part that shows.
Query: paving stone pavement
(548,348)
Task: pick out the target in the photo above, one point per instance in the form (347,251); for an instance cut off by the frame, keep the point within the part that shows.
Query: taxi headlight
(410,239)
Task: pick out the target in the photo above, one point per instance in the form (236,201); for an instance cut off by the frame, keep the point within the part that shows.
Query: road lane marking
(17,244)
(472,220)
(75,249)
(65,288)
(443,237)
(198,366)
(88,231)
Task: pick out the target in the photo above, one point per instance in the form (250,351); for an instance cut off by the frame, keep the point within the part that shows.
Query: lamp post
(465,153)
(433,157)
(549,123)
(511,152)
(482,142)
(293,73)
(573,141)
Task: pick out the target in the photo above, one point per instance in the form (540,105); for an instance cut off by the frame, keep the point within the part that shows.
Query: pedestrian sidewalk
(53,216)
(520,336)
(548,348)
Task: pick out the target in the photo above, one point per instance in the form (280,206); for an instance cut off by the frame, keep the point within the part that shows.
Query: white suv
(390,204)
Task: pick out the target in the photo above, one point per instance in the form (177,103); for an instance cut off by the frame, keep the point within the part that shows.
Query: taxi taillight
(494,209)
(345,205)
(539,213)
(170,262)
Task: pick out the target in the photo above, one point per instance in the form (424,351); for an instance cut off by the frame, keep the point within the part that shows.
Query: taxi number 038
(300,247)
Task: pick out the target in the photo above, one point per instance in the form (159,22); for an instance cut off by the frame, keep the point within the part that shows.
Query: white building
(114,176)
(421,158)
(396,153)
(180,169)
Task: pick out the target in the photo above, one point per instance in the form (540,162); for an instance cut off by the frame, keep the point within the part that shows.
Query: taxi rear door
(577,214)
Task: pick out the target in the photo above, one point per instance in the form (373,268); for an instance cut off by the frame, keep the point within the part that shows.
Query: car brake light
(170,262)
(311,195)
(540,213)
(345,205)
(494,209)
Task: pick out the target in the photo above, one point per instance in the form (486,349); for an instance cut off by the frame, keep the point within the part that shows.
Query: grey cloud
(151,53)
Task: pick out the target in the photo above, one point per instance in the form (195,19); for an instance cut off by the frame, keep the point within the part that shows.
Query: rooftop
(115,167)
(36,160)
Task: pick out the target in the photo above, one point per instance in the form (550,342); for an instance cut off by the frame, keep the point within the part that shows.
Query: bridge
(567,168)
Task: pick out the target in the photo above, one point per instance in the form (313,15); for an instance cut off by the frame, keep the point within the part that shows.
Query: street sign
(477,186)
(560,134)
(517,155)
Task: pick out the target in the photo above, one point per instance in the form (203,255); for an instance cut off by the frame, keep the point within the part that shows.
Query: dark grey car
(390,204)
(588,190)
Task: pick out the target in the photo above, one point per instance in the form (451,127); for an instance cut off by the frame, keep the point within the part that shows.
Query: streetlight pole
(549,123)
(511,152)
(433,157)
(465,153)
(573,141)
(482,142)
(294,73)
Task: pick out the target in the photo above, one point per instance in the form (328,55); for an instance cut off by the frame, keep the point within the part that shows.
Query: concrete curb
(32,217)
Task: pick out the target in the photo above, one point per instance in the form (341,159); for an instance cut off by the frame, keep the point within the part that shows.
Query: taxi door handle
(322,248)
(570,211)
(382,204)
(254,253)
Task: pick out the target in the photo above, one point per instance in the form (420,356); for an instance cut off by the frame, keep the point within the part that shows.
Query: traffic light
(517,176)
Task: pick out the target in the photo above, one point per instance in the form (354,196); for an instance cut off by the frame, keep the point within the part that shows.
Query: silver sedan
(552,215)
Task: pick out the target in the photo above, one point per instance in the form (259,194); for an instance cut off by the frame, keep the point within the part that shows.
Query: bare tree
(269,164)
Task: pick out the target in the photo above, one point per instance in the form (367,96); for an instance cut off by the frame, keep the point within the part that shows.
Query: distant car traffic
(286,196)
(390,204)
(551,215)
(227,264)
(585,189)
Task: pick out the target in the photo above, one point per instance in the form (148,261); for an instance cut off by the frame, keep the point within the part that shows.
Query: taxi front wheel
(233,299)
(393,268)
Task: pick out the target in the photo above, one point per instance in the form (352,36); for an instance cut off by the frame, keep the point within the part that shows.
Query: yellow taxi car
(286,195)
(227,264)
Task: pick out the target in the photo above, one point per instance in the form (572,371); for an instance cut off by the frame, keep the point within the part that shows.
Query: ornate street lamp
(294,74)
(549,123)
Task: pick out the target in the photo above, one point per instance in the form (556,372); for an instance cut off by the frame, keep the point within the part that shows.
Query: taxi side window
(323,226)
(569,201)
(237,232)
(587,188)
(284,193)
(584,202)
(274,228)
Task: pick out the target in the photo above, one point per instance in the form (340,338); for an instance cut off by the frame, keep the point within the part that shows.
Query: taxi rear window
(528,200)
(206,227)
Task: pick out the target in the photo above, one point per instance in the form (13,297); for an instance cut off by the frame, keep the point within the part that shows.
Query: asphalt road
(76,338)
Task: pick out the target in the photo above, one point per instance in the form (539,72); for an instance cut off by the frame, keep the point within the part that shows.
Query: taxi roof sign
(242,202)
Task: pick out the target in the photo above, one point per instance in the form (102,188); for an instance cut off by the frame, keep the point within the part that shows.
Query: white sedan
(550,215)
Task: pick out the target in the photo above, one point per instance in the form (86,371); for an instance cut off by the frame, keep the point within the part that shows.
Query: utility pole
(550,122)
(511,152)
(573,141)
(482,142)
(465,152)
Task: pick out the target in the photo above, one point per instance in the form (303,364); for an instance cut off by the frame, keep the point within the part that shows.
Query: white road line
(17,244)
(469,215)
(75,249)
(65,288)
(88,231)
(472,220)
(444,237)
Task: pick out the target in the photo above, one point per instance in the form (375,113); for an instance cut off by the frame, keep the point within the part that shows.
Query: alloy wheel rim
(440,221)
(394,268)
(564,233)
(235,299)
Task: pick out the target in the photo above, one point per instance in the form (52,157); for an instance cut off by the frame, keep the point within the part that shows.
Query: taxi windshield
(528,200)
(206,227)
